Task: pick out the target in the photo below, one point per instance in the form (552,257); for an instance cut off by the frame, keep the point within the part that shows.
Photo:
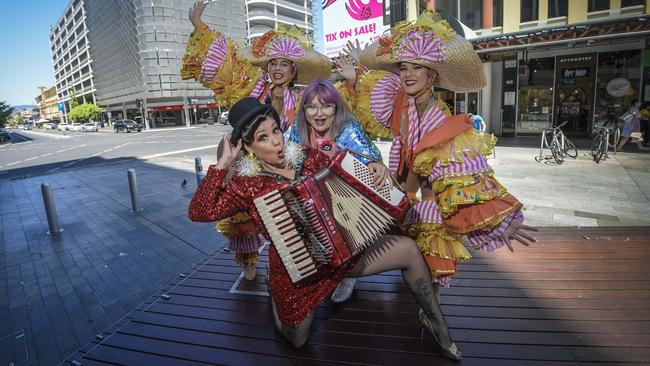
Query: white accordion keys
(285,236)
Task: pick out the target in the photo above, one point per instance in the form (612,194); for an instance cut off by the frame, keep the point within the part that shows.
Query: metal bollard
(198,166)
(50,209)
(133,188)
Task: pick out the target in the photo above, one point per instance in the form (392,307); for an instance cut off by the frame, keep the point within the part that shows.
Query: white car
(63,127)
(76,126)
(49,126)
(223,118)
(89,127)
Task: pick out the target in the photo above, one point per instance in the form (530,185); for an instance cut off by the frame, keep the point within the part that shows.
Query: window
(470,13)
(626,3)
(598,5)
(558,8)
(529,10)
(497,13)
(447,7)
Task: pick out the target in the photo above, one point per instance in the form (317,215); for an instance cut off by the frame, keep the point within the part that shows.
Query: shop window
(598,5)
(626,3)
(558,8)
(536,95)
(529,10)
(619,75)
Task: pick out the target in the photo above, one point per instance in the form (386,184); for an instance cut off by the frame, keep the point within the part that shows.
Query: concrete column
(577,11)
(145,114)
(488,12)
(124,116)
(186,109)
(513,19)
(542,11)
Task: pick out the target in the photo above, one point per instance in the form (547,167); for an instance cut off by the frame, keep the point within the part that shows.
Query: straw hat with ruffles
(293,45)
(432,43)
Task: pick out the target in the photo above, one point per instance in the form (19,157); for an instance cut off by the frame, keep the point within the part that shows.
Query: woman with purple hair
(324,123)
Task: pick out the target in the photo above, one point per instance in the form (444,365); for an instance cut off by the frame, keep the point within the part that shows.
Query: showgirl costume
(214,201)
(427,141)
(233,73)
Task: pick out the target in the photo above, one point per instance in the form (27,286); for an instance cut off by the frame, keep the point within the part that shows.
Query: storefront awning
(628,27)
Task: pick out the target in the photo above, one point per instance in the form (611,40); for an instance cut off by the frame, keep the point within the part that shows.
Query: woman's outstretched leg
(392,252)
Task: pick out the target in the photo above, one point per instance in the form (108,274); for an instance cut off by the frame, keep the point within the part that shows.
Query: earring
(249,165)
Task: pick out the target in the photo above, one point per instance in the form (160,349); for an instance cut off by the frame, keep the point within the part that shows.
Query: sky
(26,62)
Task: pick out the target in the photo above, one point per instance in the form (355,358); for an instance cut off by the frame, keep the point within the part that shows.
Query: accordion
(324,220)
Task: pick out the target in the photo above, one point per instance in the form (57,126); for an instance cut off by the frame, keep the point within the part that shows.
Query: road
(43,152)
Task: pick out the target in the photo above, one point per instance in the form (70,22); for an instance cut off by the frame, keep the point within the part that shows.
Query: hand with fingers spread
(346,69)
(196,11)
(229,153)
(353,50)
(518,231)
(379,173)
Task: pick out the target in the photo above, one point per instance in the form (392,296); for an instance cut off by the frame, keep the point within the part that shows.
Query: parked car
(27,126)
(49,126)
(63,126)
(76,126)
(4,135)
(127,125)
(89,127)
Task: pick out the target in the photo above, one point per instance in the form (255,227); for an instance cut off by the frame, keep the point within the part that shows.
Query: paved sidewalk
(56,293)
(579,192)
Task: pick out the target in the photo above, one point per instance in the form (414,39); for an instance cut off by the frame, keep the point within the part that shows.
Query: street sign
(61,106)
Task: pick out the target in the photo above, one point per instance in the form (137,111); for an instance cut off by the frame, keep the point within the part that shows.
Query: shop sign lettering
(575,72)
(618,87)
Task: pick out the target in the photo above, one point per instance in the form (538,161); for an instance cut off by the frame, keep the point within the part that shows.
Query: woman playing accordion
(268,164)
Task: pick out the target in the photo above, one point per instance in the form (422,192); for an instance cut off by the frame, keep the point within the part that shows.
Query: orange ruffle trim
(483,216)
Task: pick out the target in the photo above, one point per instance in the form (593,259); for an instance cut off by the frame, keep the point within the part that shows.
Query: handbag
(636,136)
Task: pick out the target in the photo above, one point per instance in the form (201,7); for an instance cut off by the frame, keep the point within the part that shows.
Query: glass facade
(536,95)
(619,77)
(137,47)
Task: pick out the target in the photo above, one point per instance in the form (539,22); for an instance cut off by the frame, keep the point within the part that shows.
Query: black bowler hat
(244,112)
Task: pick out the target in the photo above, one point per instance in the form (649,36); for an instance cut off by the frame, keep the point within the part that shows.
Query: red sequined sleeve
(212,201)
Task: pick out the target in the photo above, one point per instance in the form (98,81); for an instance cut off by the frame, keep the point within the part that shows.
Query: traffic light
(138,103)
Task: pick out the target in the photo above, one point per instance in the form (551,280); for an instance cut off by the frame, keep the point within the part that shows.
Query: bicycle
(604,138)
(559,145)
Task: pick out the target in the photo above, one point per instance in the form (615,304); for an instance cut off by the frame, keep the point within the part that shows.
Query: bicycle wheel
(556,151)
(598,147)
(570,149)
(614,137)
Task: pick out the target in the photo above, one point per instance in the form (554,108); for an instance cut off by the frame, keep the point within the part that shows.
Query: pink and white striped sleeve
(382,98)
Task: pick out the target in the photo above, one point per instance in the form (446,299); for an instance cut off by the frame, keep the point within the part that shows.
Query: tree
(17,120)
(5,112)
(85,112)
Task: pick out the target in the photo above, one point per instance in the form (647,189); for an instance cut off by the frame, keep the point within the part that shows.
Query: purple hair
(326,93)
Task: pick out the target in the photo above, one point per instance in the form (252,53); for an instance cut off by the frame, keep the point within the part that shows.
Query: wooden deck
(581,295)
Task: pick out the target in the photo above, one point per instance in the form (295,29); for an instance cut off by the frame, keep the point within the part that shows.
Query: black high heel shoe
(452,352)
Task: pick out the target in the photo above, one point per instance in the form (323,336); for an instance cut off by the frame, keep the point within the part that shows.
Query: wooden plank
(563,301)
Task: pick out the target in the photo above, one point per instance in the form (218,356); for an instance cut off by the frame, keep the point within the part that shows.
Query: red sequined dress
(213,201)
